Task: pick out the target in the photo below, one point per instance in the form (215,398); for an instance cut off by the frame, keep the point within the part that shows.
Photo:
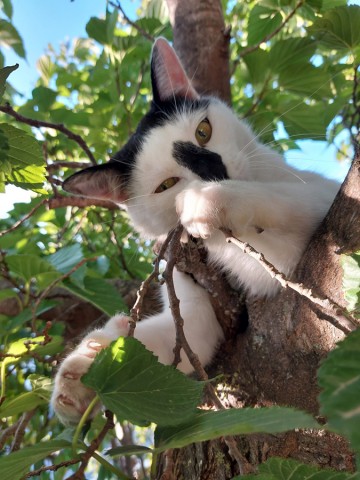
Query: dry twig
(142,32)
(174,250)
(341,319)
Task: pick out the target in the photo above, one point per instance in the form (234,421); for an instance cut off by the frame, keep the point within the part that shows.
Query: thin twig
(85,457)
(22,220)
(142,32)
(272,34)
(8,432)
(56,126)
(135,313)
(52,468)
(182,343)
(20,431)
(341,319)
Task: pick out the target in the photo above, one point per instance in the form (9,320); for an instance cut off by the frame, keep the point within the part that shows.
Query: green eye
(203,132)
(166,184)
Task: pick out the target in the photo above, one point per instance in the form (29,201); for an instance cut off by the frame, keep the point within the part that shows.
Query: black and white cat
(192,160)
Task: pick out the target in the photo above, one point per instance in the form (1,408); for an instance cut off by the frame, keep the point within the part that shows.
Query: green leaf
(339,378)
(46,68)
(4,73)
(17,464)
(66,258)
(25,346)
(135,386)
(96,28)
(330,4)
(351,280)
(25,156)
(262,21)
(257,65)
(7,8)
(42,386)
(98,292)
(127,450)
(21,403)
(338,29)
(290,52)
(30,267)
(208,425)
(9,37)
(44,97)
(283,469)
(306,80)
(303,120)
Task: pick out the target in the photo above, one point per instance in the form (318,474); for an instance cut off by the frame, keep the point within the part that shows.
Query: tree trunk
(201,39)
(275,361)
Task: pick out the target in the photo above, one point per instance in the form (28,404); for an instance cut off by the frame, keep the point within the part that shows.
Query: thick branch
(81,202)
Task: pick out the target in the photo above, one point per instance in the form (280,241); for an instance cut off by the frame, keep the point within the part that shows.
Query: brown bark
(201,40)
(276,360)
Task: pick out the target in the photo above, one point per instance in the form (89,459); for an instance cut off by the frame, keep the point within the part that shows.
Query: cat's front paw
(199,209)
(71,397)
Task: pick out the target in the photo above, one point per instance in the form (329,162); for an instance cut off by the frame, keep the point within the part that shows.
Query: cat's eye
(166,184)
(203,132)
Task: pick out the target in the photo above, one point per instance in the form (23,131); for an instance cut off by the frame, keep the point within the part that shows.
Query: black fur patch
(206,164)
(159,113)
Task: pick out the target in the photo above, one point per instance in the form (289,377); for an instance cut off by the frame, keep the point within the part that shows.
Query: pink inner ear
(97,183)
(171,77)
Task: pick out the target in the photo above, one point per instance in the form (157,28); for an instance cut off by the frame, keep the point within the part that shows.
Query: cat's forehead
(167,112)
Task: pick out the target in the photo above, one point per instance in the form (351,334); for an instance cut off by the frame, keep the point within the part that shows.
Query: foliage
(294,64)
(280,469)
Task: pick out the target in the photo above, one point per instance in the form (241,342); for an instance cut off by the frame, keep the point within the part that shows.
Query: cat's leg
(71,397)
(276,218)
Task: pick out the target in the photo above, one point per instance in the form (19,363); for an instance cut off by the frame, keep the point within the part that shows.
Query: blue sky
(41,22)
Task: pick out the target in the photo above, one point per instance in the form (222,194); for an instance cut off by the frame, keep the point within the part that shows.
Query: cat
(191,159)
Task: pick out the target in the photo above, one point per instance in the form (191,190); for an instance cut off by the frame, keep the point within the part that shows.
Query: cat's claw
(198,209)
(71,397)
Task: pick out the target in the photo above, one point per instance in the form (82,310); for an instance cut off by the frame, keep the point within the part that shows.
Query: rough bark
(275,361)
(201,39)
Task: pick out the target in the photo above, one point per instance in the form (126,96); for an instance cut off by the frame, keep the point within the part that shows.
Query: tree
(53,252)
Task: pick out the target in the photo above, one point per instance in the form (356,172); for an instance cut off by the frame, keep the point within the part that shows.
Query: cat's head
(184,137)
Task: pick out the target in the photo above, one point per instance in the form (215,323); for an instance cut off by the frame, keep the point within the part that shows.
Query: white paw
(71,397)
(199,209)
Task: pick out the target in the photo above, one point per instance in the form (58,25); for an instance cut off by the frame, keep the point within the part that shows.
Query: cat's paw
(71,397)
(199,209)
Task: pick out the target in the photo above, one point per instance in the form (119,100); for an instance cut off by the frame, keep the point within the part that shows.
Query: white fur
(70,396)
(262,192)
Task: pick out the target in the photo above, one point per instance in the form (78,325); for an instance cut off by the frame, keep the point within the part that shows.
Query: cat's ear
(104,182)
(168,76)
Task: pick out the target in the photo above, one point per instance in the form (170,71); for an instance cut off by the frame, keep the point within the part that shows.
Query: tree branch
(22,220)
(52,468)
(340,318)
(272,34)
(62,164)
(81,202)
(56,126)
(142,32)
